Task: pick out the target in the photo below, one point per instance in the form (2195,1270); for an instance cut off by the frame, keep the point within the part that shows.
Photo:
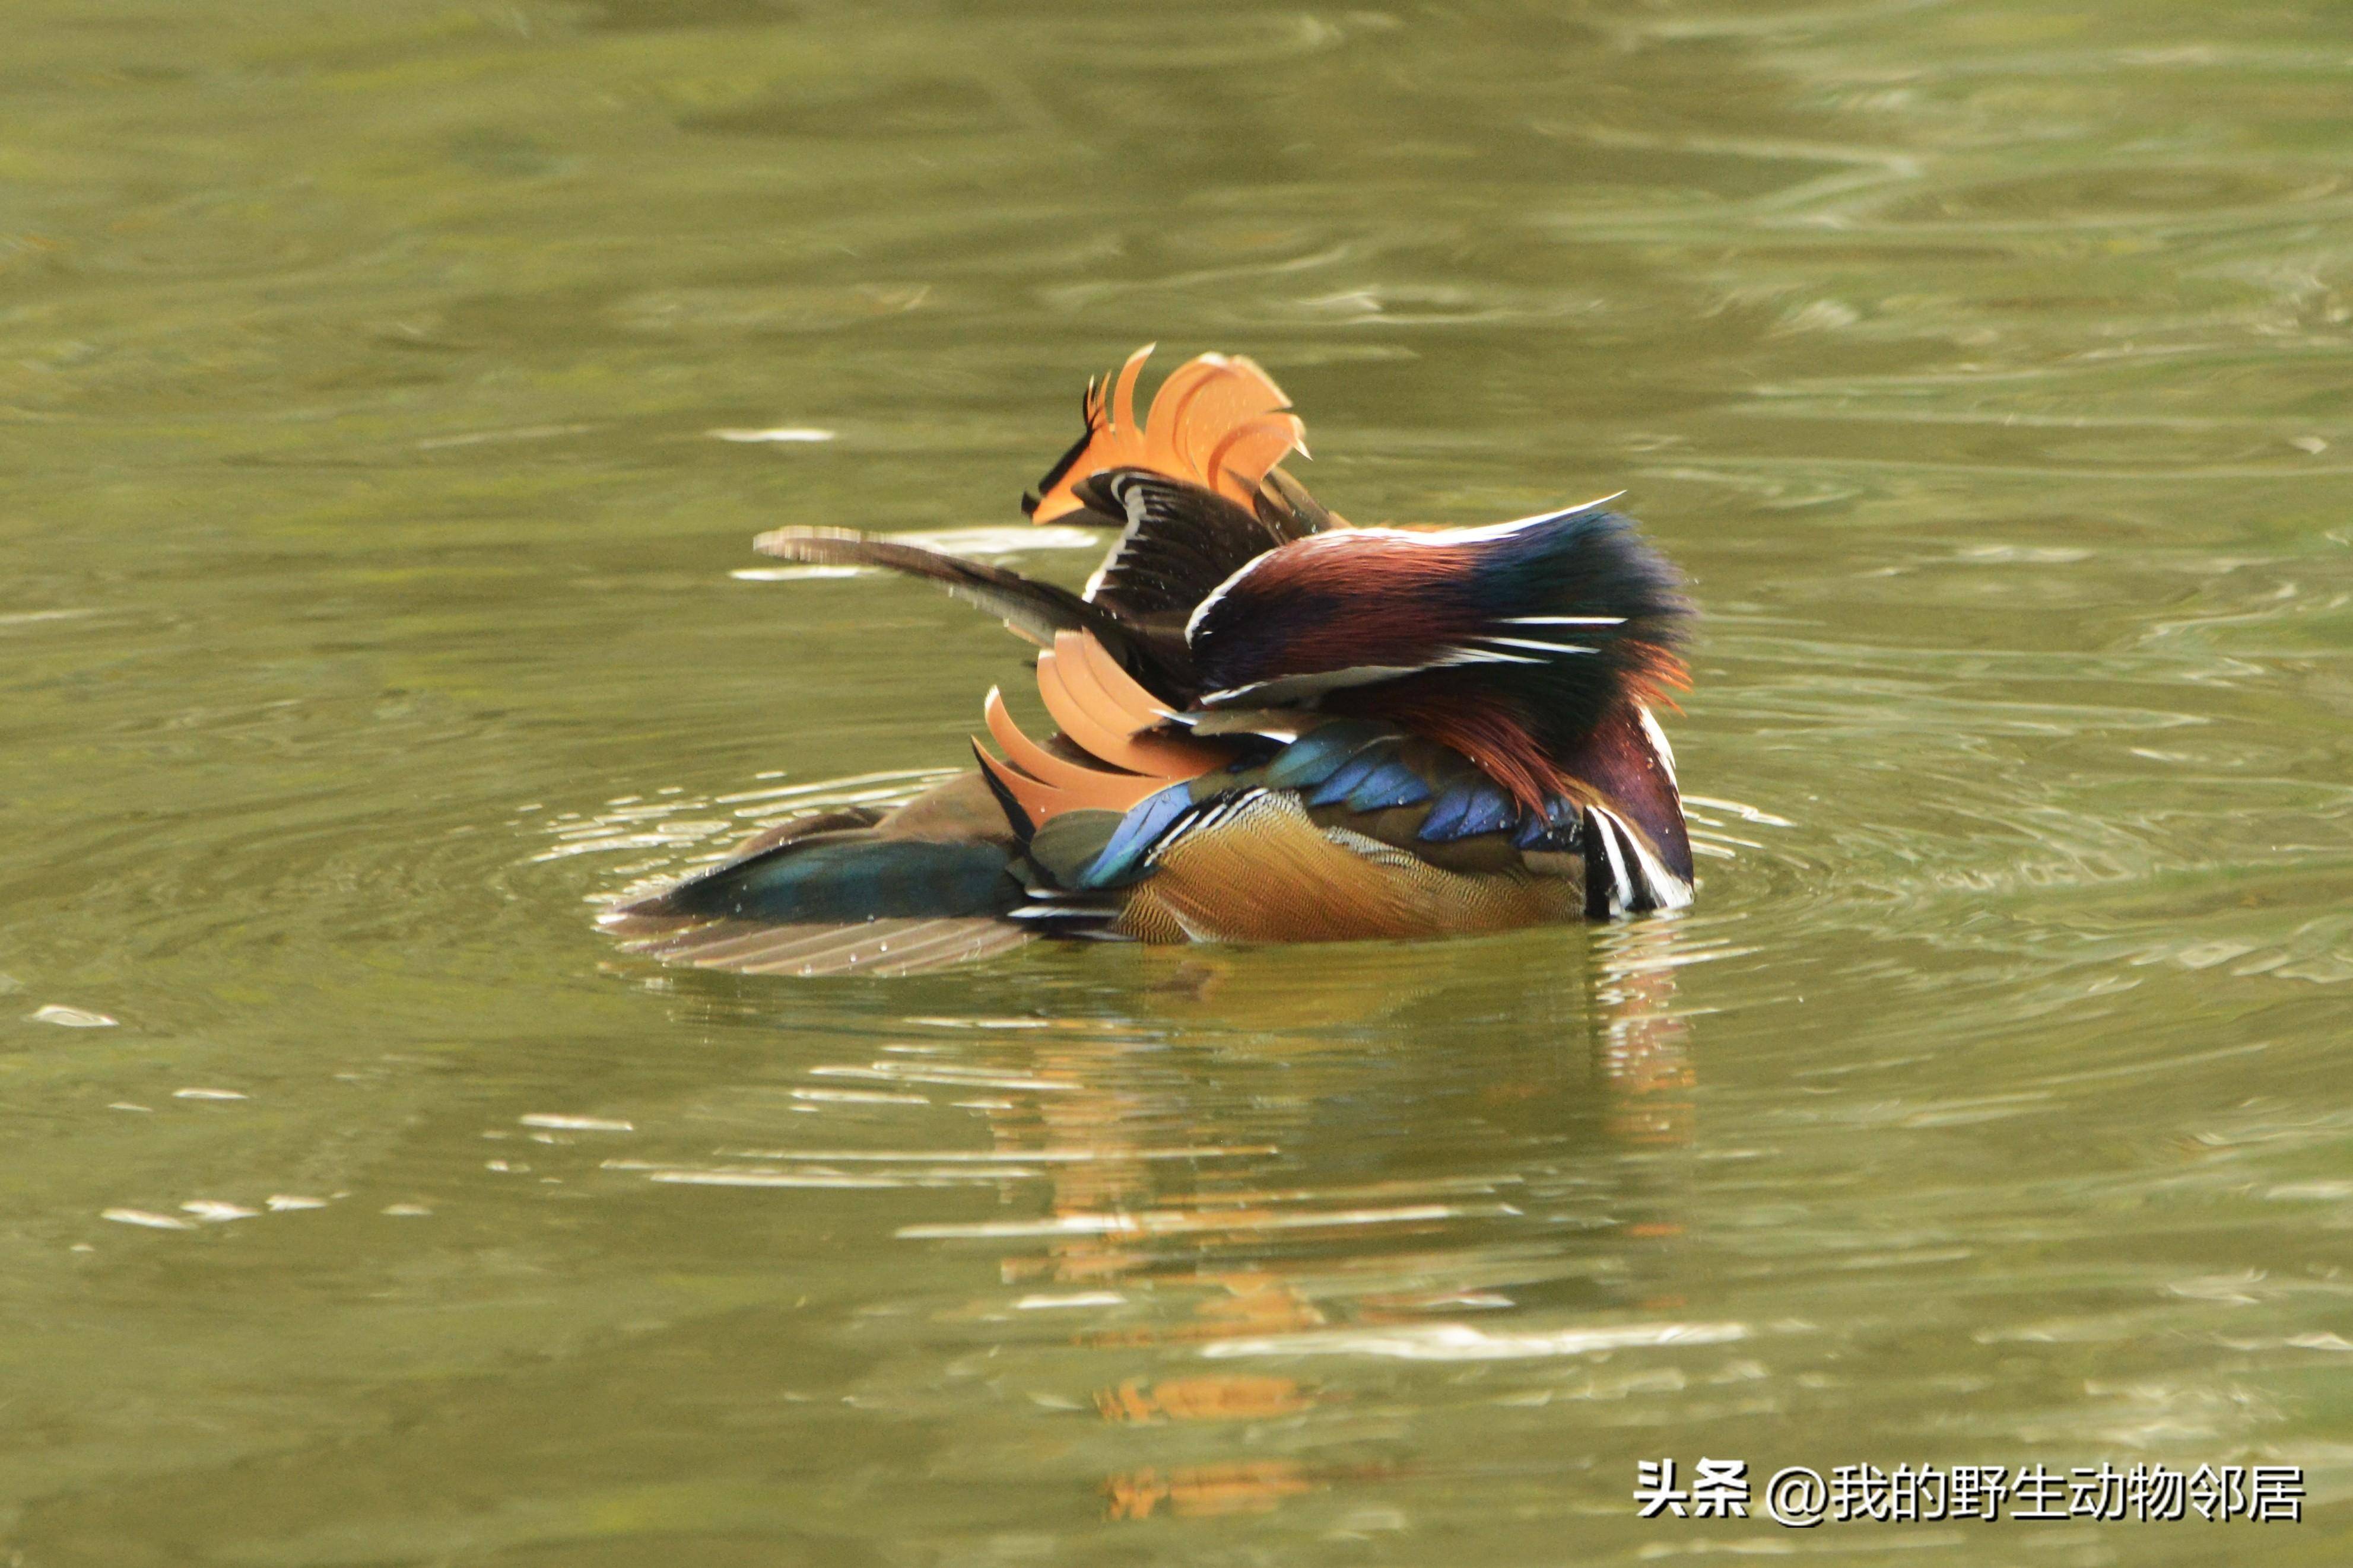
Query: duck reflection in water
(1489,1185)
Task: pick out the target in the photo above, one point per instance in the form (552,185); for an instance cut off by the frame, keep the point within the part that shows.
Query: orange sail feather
(1102,710)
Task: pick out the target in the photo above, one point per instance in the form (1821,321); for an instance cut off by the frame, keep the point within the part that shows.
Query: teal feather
(851,879)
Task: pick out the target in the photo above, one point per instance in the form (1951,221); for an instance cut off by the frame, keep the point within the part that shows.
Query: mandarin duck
(1272,726)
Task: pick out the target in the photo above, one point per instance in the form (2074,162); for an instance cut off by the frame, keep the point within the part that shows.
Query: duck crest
(1217,423)
(1269,724)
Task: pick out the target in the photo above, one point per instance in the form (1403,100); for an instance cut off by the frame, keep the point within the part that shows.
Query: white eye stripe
(1562,621)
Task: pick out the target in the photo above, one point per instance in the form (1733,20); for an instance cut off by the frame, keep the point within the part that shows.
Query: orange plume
(1216,422)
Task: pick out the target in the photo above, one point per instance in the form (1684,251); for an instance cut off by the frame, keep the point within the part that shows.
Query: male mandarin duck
(1274,726)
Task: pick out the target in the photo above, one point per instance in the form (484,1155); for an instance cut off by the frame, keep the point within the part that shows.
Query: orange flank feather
(1217,422)
(1108,716)
(1268,873)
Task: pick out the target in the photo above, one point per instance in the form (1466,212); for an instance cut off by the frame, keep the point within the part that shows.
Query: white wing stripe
(1622,891)
(1658,742)
(1539,647)
(1661,888)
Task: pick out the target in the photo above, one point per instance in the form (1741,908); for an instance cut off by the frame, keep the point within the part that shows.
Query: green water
(368,613)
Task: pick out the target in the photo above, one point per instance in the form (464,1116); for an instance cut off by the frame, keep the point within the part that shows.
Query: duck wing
(1154,649)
